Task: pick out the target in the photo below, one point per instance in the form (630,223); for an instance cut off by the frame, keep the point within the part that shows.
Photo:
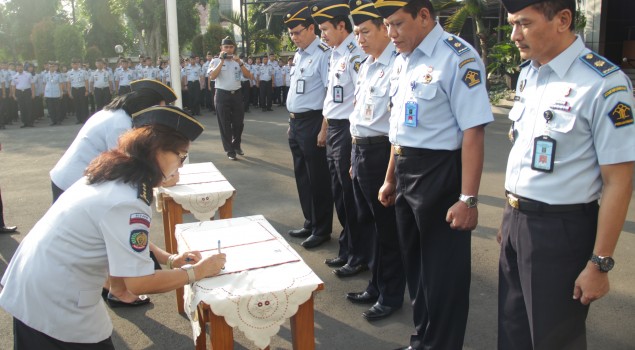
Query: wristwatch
(190,273)
(604,263)
(470,201)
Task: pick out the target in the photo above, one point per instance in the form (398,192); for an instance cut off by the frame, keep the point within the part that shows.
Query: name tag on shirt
(544,154)
(411,113)
(338,94)
(299,89)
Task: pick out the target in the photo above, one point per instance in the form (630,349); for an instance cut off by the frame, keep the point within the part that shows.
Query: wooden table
(195,180)
(221,334)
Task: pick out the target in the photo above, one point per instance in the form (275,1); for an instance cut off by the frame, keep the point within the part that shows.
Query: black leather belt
(526,204)
(370,140)
(338,122)
(231,92)
(411,151)
(24,90)
(305,114)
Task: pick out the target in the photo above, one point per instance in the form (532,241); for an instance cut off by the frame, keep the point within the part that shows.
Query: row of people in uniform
(387,122)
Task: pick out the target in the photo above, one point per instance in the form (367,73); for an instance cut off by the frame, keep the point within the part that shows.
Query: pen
(222,268)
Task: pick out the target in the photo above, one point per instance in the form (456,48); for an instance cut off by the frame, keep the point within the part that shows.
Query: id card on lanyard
(411,109)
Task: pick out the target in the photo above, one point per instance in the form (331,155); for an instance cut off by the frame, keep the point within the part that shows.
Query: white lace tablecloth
(256,301)
(201,190)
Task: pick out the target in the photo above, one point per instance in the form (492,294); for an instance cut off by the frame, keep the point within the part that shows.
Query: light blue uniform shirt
(229,76)
(448,78)
(311,66)
(343,67)
(371,116)
(52,83)
(597,130)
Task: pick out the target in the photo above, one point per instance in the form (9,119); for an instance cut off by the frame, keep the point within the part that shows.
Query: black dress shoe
(378,312)
(8,229)
(361,298)
(335,262)
(406,348)
(314,241)
(300,233)
(349,271)
(239,151)
(113,301)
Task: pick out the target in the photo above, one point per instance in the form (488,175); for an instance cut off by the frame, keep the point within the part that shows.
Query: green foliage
(504,57)
(499,91)
(69,43)
(92,54)
(21,16)
(105,29)
(210,41)
(42,38)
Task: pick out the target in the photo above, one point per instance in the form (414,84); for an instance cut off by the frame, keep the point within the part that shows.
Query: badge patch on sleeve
(356,66)
(621,115)
(472,78)
(611,91)
(469,60)
(138,240)
(140,218)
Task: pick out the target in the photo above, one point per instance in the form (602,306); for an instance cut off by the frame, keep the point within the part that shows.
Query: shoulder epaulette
(599,64)
(456,45)
(323,47)
(351,46)
(144,193)
(525,64)
(364,60)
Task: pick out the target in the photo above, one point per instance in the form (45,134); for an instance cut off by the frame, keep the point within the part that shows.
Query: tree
(22,15)
(105,28)
(43,40)
(463,10)
(210,41)
(146,21)
(69,43)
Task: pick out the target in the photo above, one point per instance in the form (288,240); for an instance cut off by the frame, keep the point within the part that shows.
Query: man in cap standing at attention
(306,133)
(439,111)
(573,142)
(228,99)
(369,160)
(346,58)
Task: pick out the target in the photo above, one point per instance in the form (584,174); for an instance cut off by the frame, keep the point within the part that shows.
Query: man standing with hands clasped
(573,142)
(306,97)
(226,70)
(439,111)
(369,160)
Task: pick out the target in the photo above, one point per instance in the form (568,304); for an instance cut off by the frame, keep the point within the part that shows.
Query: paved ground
(265,185)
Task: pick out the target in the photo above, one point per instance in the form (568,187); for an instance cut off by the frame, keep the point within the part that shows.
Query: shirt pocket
(516,112)
(562,122)
(425,91)
(88,297)
(307,72)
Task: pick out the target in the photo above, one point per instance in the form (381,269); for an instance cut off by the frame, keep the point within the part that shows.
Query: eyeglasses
(297,32)
(182,156)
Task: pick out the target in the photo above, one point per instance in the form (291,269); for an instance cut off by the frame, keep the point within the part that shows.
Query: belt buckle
(513,201)
(398,150)
(292,115)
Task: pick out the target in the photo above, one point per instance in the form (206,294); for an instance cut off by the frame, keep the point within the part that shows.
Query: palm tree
(464,9)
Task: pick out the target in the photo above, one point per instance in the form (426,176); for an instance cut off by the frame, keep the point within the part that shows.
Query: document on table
(248,246)
(254,256)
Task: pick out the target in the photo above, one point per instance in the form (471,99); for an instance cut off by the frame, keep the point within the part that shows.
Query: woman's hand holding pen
(209,266)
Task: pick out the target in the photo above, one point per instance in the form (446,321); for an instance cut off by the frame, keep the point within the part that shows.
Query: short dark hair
(551,7)
(347,23)
(378,22)
(414,6)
